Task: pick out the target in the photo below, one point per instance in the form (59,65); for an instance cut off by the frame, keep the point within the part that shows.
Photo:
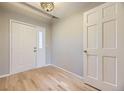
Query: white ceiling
(64,9)
(61,10)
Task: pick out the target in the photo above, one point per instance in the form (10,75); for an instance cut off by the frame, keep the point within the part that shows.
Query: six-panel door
(100,42)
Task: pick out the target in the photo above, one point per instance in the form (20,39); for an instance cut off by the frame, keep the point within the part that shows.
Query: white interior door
(23,42)
(41,59)
(102,48)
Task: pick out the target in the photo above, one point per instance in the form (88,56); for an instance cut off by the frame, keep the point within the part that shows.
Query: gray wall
(67,43)
(5,16)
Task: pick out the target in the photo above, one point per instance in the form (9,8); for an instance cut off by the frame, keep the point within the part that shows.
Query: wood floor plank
(47,78)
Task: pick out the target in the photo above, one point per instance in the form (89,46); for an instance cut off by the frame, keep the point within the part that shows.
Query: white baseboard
(22,71)
(80,77)
(5,75)
(43,66)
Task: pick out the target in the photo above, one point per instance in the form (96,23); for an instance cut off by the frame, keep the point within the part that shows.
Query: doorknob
(35,50)
(85,51)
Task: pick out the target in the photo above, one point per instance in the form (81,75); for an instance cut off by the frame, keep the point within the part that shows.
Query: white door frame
(10,41)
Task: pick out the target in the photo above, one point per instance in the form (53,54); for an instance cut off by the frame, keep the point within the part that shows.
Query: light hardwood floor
(47,78)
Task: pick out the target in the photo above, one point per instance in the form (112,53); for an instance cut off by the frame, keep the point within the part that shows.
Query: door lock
(35,47)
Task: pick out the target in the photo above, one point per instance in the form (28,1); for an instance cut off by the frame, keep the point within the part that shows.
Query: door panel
(109,12)
(92,37)
(109,69)
(92,18)
(92,66)
(101,56)
(109,34)
(23,43)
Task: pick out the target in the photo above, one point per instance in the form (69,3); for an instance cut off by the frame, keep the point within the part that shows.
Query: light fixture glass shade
(47,6)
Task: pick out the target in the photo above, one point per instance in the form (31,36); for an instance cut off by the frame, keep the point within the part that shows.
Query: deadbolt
(35,47)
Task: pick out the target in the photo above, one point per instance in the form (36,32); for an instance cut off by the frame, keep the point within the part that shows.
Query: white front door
(23,42)
(41,51)
(103,48)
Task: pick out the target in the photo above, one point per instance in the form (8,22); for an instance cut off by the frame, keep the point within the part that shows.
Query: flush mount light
(47,6)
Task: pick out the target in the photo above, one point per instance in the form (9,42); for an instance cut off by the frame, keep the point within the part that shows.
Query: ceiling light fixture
(47,6)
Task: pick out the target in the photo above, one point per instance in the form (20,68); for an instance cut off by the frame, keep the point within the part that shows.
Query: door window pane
(40,39)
